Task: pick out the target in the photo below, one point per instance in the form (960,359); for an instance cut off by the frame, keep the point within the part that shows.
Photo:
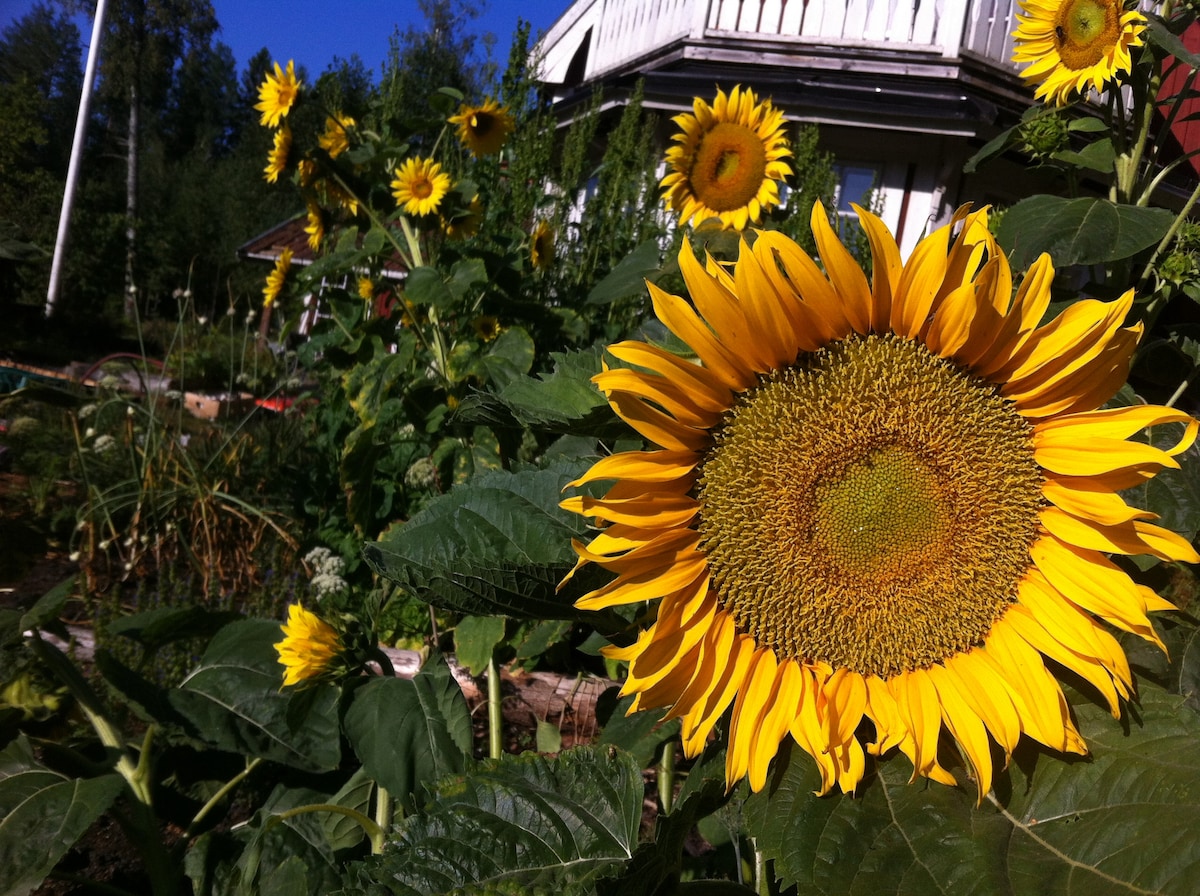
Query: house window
(856,183)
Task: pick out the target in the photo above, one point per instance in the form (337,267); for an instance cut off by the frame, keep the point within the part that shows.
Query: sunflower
(336,138)
(883,502)
(277,278)
(309,648)
(277,158)
(541,245)
(483,129)
(729,160)
(277,94)
(1072,45)
(487,327)
(466,225)
(420,186)
(315,225)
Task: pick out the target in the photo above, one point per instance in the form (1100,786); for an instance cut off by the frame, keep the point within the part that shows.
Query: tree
(154,38)
(40,80)
(422,60)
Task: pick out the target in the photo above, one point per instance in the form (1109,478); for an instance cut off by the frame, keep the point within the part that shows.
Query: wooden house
(904,91)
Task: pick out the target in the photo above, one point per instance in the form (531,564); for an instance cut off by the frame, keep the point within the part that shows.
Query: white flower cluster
(327,572)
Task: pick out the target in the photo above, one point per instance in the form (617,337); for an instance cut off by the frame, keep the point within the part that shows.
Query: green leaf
(467,275)
(1160,35)
(425,286)
(497,545)
(656,867)
(1121,821)
(641,734)
(409,733)
(565,399)
(548,737)
(518,823)
(270,853)
(629,276)
(49,606)
(341,831)
(156,628)
(508,359)
(1088,125)
(236,701)
(1078,231)
(475,640)
(374,241)
(42,814)
(1098,156)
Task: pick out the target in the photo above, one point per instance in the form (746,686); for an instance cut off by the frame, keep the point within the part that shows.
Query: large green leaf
(1078,231)
(564,400)
(42,814)
(497,545)
(1124,820)
(629,276)
(515,824)
(275,852)
(236,701)
(409,733)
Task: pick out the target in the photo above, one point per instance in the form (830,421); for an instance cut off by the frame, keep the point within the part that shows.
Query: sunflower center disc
(422,188)
(1086,30)
(729,168)
(871,507)
(886,513)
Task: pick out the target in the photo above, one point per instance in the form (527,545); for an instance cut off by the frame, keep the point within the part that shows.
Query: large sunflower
(1072,45)
(728,161)
(277,94)
(883,502)
(483,129)
(420,186)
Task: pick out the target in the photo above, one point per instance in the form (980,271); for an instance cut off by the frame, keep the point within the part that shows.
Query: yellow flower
(728,161)
(309,646)
(277,278)
(483,129)
(336,139)
(541,245)
(315,227)
(885,501)
(308,171)
(420,186)
(487,327)
(466,225)
(277,94)
(366,289)
(1074,45)
(277,158)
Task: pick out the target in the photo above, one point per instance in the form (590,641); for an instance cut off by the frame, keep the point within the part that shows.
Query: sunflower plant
(884,564)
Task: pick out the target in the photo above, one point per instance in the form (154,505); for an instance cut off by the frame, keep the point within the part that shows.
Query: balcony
(965,42)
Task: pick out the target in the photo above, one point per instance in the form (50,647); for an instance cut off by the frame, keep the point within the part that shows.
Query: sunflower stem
(383,818)
(666,777)
(761,885)
(495,720)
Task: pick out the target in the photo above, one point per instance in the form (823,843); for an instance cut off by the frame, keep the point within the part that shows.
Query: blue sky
(313,32)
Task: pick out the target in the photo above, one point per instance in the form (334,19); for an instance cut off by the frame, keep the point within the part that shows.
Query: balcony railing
(625,30)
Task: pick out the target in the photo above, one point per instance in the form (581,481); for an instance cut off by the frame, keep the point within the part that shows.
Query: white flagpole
(85,102)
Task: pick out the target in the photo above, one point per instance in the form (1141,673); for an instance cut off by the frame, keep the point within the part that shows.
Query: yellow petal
(844,272)
(885,267)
